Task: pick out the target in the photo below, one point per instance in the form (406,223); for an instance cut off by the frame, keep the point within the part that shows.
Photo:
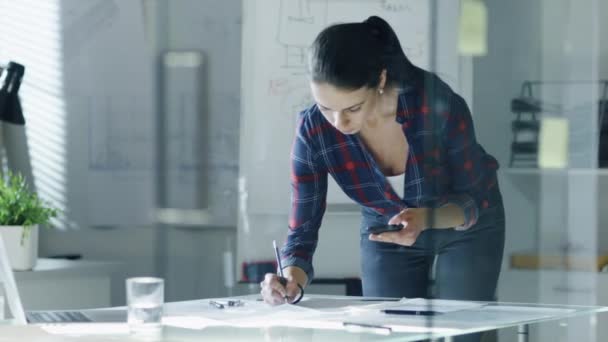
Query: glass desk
(322,318)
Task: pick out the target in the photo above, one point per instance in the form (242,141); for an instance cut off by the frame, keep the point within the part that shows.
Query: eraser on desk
(553,143)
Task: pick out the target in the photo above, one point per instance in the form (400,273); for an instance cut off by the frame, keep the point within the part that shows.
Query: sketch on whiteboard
(114,145)
(184,137)
(395,5)
(277,86)
(295,100)
(415,49)
(299,23)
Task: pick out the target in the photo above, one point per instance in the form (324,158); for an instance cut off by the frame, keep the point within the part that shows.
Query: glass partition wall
(533,74)
(194,134)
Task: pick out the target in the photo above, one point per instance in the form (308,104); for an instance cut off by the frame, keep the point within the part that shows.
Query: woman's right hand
(274,293)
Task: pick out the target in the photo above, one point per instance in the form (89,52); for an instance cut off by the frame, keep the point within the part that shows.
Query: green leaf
(20,206)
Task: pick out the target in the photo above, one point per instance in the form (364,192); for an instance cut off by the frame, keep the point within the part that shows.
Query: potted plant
(21,212)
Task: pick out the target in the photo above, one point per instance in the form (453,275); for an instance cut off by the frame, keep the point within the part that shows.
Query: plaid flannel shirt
(445,165)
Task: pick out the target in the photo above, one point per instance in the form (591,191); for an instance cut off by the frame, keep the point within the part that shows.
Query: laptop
(20,316)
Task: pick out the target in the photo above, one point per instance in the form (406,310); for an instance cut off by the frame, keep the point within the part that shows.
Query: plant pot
(22,257)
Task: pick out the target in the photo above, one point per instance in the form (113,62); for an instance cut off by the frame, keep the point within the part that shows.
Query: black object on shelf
(66,256)
(525,104)
(525,128)
(524,147)
(526,125)
(603,124)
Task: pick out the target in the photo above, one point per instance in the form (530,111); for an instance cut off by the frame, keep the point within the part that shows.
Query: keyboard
(57,317)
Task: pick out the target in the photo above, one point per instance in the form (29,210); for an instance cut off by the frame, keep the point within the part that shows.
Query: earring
(381,91)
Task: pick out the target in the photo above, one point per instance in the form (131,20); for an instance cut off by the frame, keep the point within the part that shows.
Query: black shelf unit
(526,125)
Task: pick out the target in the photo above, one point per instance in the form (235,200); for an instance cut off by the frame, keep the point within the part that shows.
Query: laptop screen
(10,287)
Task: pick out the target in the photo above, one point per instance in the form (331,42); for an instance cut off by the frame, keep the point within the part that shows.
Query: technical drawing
(184,136)
(395,5)
(296,99)
(416,48)
(299,23)
(116,141)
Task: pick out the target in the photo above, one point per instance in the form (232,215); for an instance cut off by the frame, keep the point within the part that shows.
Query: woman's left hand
(414,221)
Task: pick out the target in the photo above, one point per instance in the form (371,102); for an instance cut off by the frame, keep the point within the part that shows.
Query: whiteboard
(276,34)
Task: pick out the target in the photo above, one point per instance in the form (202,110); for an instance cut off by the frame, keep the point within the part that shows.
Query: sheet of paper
(329,314)
(191,322)
(286,315)
(437,305)
(87,329)
(553,143)
(473,28)
(421,304)
(336,304)
(251,309)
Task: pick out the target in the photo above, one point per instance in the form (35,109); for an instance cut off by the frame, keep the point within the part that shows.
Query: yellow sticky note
(553,143)
(473,28)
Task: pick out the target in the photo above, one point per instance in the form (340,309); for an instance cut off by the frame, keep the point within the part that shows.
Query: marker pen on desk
(379,299)
(410,312)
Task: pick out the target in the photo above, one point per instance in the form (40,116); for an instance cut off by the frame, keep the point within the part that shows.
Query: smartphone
(384,228)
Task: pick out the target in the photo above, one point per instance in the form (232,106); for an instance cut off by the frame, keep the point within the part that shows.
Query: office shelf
(529,108)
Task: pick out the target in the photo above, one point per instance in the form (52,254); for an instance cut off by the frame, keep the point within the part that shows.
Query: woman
(377,116)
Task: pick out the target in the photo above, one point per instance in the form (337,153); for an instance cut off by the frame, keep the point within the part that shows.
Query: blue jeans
(467,262)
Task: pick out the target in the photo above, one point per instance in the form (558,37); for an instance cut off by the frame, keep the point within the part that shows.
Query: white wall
(214,27)
(191,258)
(513,57)
(134,247)
(195,256)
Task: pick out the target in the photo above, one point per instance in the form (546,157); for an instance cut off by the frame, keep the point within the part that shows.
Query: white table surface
(296,322)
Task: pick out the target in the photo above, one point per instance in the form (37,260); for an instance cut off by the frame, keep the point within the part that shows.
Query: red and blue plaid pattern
(445,165)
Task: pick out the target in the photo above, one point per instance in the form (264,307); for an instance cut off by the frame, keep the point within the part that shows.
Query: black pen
(282,278)
(410,312)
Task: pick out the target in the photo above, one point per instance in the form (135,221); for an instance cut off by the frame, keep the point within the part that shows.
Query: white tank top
(397,182)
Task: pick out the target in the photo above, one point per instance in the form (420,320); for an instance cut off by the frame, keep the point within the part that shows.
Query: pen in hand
(282,278)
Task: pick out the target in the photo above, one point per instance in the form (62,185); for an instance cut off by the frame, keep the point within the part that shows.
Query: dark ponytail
(353,55)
